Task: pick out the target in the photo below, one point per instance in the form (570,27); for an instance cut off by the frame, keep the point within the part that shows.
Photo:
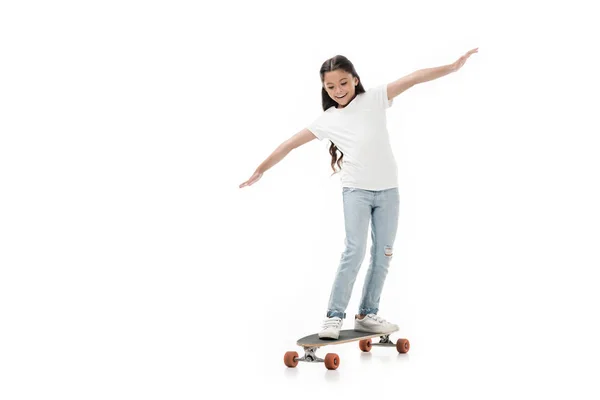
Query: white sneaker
(331,328)
(374,324)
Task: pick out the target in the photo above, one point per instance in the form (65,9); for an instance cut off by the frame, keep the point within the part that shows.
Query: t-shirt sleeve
(380,97)
(317,128)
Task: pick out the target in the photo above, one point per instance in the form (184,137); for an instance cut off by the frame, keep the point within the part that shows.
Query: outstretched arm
(297,140)
(424,75)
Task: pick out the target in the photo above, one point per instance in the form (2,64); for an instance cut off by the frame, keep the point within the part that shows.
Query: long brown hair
(332,64)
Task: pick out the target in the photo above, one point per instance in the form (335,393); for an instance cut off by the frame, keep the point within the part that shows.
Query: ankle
(360,316)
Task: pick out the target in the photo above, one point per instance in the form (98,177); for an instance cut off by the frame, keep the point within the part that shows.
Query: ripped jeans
(381,208)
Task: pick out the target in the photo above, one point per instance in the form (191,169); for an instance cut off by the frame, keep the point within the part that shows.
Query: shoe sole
(366,330)
(329,337)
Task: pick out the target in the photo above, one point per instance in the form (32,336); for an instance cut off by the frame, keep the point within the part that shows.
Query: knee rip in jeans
(388,251)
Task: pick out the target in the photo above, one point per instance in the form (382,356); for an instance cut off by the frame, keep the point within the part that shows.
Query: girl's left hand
(461,61)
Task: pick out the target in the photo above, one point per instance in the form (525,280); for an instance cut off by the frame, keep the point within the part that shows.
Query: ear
(355,81)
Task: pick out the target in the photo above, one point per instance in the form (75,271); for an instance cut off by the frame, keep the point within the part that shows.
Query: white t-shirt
(359,130)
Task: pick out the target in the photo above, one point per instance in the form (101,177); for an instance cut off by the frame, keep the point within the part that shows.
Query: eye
(343,84)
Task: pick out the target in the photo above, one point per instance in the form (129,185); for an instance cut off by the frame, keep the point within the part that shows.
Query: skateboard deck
(311,343)
(347,335)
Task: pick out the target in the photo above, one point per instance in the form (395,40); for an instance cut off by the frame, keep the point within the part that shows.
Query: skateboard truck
(384,341)
(310,356)
(331,360)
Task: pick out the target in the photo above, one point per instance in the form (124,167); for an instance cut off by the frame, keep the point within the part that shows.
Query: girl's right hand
(255,177)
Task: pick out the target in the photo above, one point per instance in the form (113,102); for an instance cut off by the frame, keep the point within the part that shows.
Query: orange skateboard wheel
(365,345)
(402,345)
(290,359)
(332,361)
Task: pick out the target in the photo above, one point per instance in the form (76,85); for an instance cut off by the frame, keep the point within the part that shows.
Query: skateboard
(311,343)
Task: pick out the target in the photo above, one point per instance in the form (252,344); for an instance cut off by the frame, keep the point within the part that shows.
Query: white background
(132,265)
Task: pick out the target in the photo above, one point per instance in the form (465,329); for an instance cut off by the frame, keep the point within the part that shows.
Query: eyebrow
(327,83)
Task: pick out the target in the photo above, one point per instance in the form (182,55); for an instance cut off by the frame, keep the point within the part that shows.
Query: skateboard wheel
(290,359)
(332,361)
(402,345)
(365,345)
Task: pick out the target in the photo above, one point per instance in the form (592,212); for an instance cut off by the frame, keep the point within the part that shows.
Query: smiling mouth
(341,97)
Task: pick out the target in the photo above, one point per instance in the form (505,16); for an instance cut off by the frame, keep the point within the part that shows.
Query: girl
(354,120)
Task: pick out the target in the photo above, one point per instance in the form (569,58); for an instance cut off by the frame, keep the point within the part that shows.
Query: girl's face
(340,85)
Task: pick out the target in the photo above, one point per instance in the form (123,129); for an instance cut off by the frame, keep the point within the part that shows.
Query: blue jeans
(381,207)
